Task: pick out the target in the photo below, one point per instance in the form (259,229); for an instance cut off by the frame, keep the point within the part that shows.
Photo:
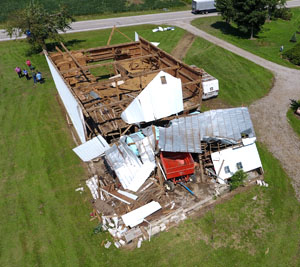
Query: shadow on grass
(51,46)
(228,29)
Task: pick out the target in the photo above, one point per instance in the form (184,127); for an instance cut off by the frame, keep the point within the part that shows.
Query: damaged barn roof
(186,133)
(107,81)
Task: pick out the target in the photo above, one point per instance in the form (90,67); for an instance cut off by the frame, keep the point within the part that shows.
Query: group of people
(37,76)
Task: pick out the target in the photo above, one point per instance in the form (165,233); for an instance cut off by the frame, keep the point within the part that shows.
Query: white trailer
(203,6)
(210,84)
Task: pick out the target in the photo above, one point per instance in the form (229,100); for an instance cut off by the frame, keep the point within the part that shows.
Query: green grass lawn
(267,43)
(241,81)
(294,121)
(44,222)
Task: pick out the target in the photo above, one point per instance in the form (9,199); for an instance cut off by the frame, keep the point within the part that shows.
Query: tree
(273,6)
(250,15)
(38,24)
(225,7)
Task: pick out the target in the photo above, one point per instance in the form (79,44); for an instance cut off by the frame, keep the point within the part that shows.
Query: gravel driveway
(269,113)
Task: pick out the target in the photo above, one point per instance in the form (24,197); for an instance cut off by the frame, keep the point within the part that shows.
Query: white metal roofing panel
(247,155)
(92,148)
(137,216)
(156,101)
(132,173)
(70,103)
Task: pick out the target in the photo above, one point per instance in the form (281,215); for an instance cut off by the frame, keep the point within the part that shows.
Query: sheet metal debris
(131,171)
(186,133)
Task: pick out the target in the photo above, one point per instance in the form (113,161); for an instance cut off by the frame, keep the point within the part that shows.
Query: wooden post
(111,34)
(159,174)
(201,168)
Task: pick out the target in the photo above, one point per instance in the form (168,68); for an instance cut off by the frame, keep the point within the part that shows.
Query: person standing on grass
(18,71)
(39,77)
(34,77)
(28,63)
(25,72)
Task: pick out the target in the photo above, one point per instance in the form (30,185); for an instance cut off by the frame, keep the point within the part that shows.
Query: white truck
(203,6)
(210,84)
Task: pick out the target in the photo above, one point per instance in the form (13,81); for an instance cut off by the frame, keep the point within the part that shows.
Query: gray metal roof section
(186,133)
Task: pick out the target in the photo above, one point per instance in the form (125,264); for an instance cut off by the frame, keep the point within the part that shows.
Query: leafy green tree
(273,6)
(250,15)
(38,24)
(225,7)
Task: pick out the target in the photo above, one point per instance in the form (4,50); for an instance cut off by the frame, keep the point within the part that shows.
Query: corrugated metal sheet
(132,173)
(92,148)
(186,133)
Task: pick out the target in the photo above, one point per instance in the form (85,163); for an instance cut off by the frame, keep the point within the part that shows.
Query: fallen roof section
(161,98)
(186,133)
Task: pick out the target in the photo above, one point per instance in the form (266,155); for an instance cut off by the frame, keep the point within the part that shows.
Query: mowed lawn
(44,222)
(266,44)
(241,81)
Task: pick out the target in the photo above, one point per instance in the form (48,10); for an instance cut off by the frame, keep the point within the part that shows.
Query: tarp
(162,97)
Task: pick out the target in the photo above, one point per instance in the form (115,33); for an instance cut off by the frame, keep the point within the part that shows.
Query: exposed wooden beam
(75,60)
(109,63)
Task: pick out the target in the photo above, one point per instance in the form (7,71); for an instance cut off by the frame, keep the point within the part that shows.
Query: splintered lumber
(132,234)
(118,196)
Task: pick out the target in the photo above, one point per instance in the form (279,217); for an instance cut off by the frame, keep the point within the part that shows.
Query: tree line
(251,15)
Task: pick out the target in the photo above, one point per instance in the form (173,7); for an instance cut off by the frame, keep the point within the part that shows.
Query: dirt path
(269,113)
(183,46)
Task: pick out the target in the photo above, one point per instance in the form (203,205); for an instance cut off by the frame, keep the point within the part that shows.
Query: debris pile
(155,156)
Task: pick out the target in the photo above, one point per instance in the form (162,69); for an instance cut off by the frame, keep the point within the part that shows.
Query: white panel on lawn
(137,216)
(92,149)
(70,103)
(162,97)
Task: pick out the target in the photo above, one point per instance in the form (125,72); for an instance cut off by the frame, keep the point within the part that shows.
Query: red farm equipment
(178,168)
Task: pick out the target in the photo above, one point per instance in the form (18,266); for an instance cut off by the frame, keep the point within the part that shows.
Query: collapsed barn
(136,111)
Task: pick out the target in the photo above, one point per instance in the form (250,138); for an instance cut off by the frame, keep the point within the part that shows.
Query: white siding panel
(70,103)
(137,216)
(247,155)
(92,149)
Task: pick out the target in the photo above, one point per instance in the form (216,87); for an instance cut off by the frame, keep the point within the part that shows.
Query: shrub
(294,38)
(237,179)
(294,105)
(293,54)
(283,13)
